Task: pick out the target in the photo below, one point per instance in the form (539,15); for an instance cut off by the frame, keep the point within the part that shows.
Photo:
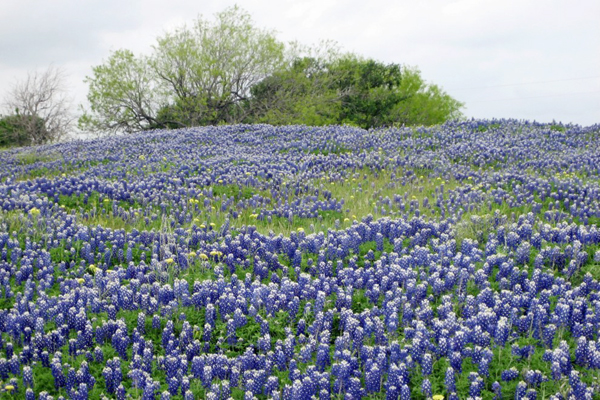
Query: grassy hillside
(253,261)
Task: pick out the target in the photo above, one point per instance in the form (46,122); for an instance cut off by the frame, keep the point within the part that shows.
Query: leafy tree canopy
(196,75)
(350,90)
(230,71)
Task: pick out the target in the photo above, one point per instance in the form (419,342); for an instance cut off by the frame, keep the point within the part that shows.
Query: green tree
(123,95)
(347,89)
(424,104)
(210,68)
(195,76)
(16,130)
(303,93)
(368,90)
(229,71)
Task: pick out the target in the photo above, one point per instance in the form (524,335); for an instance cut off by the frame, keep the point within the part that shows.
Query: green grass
(236,191)
(26,158)
(558,128)
(485,128)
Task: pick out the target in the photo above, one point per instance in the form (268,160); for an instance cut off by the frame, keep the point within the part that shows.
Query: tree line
(228,71)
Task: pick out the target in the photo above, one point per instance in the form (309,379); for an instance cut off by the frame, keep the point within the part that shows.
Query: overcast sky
(524,59)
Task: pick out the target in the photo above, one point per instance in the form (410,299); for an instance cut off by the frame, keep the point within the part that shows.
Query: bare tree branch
(41,106)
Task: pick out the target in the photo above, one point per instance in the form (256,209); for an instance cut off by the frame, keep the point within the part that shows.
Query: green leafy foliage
(302,93)
(368,91)
(229,71)
(196,75)
(13,130)
(425,104)
(122,94)
(349,90)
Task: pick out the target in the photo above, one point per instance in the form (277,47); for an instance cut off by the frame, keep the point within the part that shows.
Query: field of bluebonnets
(457,261)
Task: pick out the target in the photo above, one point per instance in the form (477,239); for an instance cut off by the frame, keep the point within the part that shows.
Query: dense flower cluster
(459,261)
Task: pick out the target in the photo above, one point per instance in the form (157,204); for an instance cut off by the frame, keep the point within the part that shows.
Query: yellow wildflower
(192,254)
(169,261)
(142,157)
(34,211)
(203,256)
(9,387)
(438,397)
(81,281)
